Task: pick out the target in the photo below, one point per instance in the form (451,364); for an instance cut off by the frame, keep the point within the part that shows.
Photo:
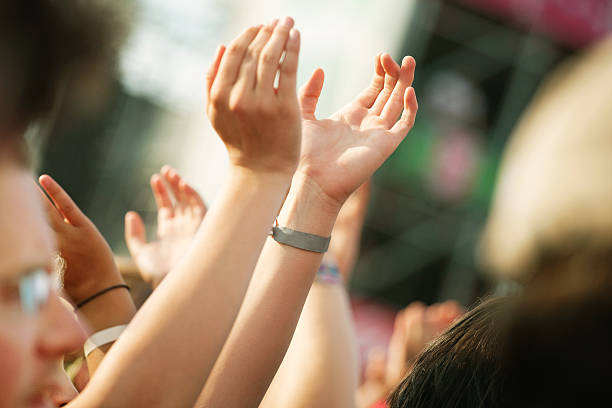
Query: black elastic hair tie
(100,293)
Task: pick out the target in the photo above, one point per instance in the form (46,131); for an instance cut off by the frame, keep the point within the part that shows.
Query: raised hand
(89,263)
(340,153)
(177,222)
(258,123)
(415,326)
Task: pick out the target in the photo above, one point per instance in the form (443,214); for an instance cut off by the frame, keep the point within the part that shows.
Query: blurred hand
(259,124)
(415,327)
(89,263)
(177,223)
(340,153)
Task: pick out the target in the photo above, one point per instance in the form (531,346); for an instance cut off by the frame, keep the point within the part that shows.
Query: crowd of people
(249,306)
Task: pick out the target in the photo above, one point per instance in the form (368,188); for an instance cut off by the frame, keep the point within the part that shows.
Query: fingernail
(273,22)
(288,22)
(405,60)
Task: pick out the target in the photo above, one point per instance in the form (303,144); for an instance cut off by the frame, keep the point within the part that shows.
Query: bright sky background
(173,44)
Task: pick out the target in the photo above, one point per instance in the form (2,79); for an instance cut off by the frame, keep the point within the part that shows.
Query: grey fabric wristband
(301,240)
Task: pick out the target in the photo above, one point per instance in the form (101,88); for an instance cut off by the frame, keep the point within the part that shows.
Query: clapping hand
(179,214)
(89,263)
(340,153)
(258,122)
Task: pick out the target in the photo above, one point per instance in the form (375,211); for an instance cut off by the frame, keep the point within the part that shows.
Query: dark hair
(462,367)
(41,42)
(559,347)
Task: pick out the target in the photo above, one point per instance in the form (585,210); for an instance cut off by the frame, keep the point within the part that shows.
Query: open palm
(340,153)
(177,223)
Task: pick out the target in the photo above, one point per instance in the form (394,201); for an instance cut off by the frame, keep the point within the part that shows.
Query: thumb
(310,92)
(135,236)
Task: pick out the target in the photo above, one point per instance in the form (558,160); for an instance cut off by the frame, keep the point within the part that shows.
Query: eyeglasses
(34,290)
(25,294)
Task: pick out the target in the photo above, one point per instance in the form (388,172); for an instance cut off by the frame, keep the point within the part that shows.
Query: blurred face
(32,340)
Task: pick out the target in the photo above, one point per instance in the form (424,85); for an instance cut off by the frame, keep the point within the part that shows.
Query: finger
(406,121)
(392,71)
(367,97)
(211,74)
(394,106)
(310,93)
(287,80)
(135,234)
(53,215)
(375,365)
(247,77)
(194,199)
(270,56)
(232,59)
(62,201)
(173,180)
(162,198)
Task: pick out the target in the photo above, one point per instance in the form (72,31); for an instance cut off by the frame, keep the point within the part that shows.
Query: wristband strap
(98,339)
(301,240)
(100,293)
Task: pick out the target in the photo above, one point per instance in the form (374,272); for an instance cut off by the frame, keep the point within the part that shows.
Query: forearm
(174,339)
(320,368)
(271,310)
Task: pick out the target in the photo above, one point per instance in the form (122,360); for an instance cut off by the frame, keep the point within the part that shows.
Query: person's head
(36,330)
(43,43)
(553,195)
(557,353)
(460,368)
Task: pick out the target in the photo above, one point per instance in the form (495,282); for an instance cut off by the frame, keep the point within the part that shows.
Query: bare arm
(89,267)
(167,352)
(338,155)
(321,366)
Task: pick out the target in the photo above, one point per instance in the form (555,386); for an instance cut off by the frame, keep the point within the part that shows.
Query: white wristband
(98,339)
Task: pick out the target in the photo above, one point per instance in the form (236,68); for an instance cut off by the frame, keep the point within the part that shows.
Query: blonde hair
(555,184)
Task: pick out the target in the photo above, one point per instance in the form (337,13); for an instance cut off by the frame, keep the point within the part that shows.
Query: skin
(89,266)
(195,307)
(260,126)
(30,346)
(185,322)
(337,156)
(325,331)
(64,391)
(415,326)
(180,211)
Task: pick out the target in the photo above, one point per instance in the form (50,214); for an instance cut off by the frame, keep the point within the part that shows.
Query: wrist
(98,281)
(308,209)
(261,171)
(112,308)
(250,177)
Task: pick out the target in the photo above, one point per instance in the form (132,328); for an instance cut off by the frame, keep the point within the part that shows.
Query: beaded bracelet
(329,273)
